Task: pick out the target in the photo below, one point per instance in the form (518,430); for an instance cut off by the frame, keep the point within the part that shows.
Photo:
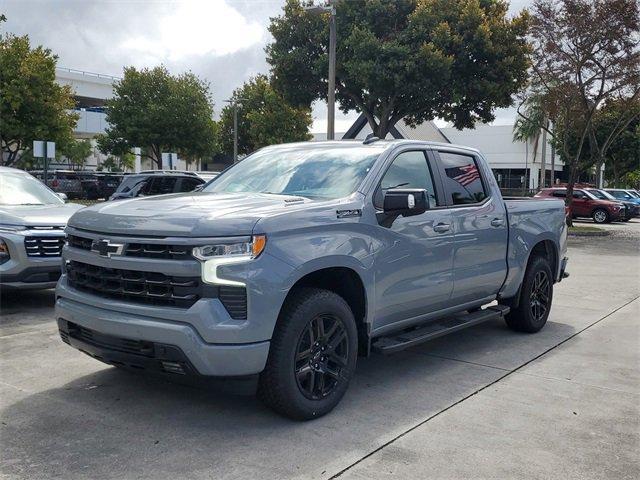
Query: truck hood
(193,214)
(37,215)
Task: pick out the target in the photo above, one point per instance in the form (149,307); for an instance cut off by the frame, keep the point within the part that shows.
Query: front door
(413,268)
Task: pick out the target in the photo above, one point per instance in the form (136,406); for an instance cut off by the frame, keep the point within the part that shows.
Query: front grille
(151,250)
(145,250)
(79,242)
(136,347)
(234,300)
(41,246)
(143,287)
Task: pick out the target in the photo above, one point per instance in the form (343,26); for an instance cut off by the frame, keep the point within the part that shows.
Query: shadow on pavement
(116,424)
(26,301)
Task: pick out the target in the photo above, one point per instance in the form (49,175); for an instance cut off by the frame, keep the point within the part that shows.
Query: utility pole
(234,104)
(331,94)
(329,7)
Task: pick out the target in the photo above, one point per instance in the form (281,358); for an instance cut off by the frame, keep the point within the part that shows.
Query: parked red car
(586,205)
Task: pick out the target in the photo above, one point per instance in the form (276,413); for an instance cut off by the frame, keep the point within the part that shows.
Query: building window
(509,177)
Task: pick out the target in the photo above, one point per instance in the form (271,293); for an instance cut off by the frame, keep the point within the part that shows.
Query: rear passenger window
(161,185)
(408,170)
(189,184)
(462,178)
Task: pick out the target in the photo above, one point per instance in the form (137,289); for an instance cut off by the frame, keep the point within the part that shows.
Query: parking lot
(483,403)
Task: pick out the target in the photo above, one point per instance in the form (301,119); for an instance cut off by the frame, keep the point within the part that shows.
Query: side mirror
(406,202)
(63,197)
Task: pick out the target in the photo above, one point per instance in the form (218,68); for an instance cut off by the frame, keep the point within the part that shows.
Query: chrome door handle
(497,222)
(441,227)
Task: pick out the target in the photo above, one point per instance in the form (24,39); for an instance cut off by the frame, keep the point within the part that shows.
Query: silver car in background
(32,221)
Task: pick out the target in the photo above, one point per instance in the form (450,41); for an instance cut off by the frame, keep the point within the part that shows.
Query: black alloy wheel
(539,298)
(321,356)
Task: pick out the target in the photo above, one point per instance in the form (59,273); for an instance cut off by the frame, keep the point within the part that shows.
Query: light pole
(234,103)
(329,7)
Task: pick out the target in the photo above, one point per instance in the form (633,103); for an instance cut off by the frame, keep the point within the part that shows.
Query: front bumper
(28,272)
(200,357)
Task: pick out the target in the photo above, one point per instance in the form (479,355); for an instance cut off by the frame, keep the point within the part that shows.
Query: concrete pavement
(483,403)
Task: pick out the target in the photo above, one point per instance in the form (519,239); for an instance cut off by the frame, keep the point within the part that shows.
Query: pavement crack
(499,379)
(463,361)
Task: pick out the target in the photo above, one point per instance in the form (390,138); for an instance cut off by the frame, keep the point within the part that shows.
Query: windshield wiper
(397,186)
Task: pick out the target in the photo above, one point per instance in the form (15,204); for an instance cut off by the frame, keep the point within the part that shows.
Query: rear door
(414,267)
(479,221)
(581,204)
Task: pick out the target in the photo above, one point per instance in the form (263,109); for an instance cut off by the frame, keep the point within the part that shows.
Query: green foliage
(159,112)
(412,59)
(117,164)
(77,151)
(32,105)
(264,118)
(617,122)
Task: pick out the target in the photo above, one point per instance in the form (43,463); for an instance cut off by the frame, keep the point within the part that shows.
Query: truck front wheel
(536,295)
(312,355)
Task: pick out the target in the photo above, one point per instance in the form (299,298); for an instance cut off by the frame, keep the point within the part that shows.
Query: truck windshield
(313,172)
(23,189)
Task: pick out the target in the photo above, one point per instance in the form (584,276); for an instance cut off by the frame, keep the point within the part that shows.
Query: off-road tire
(524,318)
(278,386)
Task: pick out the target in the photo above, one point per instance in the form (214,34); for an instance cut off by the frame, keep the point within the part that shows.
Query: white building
(91,90)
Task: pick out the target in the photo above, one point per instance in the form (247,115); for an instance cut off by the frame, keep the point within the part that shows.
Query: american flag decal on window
(464,175)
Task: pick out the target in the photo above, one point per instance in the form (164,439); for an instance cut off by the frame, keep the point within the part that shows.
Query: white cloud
(194,28)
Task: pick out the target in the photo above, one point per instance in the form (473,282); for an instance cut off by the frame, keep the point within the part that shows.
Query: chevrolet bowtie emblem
(104,248)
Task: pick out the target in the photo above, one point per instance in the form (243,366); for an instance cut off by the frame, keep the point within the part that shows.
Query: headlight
(4,252)
(216,255)
(12,228)
(251,249)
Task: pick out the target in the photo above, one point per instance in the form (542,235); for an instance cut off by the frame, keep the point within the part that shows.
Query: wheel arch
(345,281)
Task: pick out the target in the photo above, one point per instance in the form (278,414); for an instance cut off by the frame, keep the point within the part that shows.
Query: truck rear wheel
(536,295)
(312,355)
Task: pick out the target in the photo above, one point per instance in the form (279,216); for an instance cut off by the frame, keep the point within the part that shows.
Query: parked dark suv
(586,205)
(157,182)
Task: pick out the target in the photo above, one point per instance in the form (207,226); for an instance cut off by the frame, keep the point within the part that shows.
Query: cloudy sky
(221,41)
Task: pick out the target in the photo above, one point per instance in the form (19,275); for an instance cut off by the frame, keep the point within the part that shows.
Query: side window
(579,194)
(161,185)
(559,193)
(462,178)
(408,170)
(188,184)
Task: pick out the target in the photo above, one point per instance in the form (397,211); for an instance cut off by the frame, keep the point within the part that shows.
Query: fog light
(173,367)
(4,252)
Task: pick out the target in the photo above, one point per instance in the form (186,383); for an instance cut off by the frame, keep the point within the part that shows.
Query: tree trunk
(573,173)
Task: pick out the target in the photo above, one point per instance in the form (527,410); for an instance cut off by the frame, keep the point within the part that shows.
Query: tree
(585,53)
(623,154)
(118,164)
(528,128)
(411,59)
(264,118)
(32,105)
(160,113)
(77,152)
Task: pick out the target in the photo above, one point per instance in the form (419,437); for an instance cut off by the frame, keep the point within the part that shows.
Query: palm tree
(530,126)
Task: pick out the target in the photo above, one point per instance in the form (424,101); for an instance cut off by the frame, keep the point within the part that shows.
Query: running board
(408,338)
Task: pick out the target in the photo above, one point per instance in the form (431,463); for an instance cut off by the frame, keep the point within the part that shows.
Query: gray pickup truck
(301,257)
